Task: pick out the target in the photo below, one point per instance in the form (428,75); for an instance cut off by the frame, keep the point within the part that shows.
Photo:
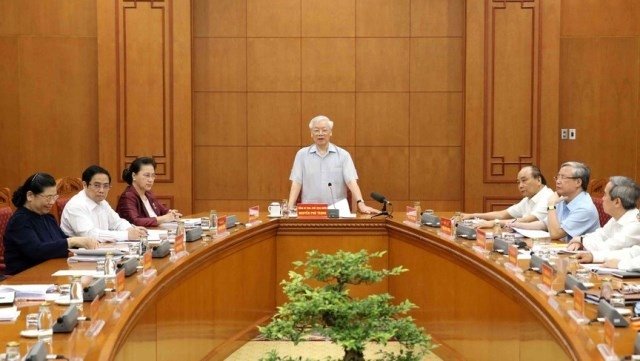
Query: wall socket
(572,134)
(564,133)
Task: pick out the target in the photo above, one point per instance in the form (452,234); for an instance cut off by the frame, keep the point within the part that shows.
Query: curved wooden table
(208,304)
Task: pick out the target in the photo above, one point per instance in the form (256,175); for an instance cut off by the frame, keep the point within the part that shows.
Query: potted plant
(328,310)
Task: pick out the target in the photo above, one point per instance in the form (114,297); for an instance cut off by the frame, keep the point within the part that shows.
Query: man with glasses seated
(620,197)
(321,164)
(89,214)
(571,212)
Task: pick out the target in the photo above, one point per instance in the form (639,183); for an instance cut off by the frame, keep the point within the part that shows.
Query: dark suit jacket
(131,208)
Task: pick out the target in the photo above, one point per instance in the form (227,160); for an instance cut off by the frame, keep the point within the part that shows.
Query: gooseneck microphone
(333,213)
(380,198)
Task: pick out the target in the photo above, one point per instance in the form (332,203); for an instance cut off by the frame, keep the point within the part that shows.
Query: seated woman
(32,235)
(137,204)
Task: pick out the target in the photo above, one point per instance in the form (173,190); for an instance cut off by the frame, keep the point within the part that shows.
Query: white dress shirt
(536,205)
(82,217)
(616,234)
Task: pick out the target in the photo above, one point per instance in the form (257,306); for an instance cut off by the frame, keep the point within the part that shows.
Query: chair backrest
(602,216)
(5,214)
(66,188)
(5,197)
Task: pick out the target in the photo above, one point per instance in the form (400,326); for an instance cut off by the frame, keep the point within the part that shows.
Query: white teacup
(275,210)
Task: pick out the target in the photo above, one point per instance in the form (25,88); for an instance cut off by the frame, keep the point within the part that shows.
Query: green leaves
(328,310)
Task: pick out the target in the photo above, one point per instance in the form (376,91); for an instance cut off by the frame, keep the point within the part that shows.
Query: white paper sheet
(343,207)
(532,233)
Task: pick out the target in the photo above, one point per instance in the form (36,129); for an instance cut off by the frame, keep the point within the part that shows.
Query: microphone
(333,213)
(380,198)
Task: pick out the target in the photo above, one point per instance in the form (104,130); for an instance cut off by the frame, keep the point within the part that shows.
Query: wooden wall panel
(427,183)
(273,18)
(270,168)
(382,119)
(328,64)
(511,78)
(273,64)
(145,91)
(437,73)
(512,82)
(328,18)
(220,118)
(600,18)
(221,64)
(268,114)
(383,18)
(437,18)
(384,170)
(48,88)
(436,119)
(382,64)
(223,174)
(600,87)
(222,18)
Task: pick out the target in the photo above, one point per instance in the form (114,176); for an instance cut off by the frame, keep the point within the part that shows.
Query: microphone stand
(383,211)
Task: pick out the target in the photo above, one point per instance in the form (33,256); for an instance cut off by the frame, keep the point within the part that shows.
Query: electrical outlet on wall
(572,133)
(564,133)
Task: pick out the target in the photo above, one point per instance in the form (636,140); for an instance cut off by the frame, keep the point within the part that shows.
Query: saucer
(29,333)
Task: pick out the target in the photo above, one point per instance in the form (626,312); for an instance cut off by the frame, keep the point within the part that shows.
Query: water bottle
(110,269)
(416,205)
(497,228)
(76,297)
(45,325)
(213,221)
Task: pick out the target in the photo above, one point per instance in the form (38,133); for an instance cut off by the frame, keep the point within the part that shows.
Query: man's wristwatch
(551,208)
(359,201)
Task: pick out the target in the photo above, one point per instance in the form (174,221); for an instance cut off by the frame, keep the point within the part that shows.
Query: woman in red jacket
(137,204)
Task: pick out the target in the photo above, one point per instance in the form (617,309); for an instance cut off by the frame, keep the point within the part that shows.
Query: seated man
(571,211)
(623,229)
(321,164)
(626,259)
(533,207)
(88,214)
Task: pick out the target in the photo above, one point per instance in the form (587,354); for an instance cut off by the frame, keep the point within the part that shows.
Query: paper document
(154,234)
(7,297)
(30,292)
(9,313)
(77,273)
(532,233)
(343,207)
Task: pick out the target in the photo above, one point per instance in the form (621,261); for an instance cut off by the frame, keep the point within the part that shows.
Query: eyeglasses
(49,198)
(563,177)
(98,186)
(317,131)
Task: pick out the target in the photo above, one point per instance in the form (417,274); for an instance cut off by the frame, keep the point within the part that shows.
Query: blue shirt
(31,239)
(579,216)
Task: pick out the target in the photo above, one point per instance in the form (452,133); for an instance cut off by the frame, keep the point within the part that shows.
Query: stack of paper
(28,292)
(9,313)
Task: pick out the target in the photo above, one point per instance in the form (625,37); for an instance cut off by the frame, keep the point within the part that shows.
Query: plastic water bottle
(76,297)
(45,325)
(110,269)
(12,352)
(497,228)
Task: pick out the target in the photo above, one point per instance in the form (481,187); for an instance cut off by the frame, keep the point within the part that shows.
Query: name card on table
(312,210)
(547,274)
(412,215)
(178,246)
(147,267)
(513,254)
(120,281)
(222,225)
(446,227)
(481,238)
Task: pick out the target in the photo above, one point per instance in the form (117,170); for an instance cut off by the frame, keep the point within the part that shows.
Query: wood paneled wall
(600,85)
(48,88)
(390,73)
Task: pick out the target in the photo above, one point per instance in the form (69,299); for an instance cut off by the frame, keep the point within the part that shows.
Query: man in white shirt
(533,207)
(88,214)
(620,197)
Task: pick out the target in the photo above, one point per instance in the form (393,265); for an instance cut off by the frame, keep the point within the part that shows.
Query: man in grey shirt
(322,166)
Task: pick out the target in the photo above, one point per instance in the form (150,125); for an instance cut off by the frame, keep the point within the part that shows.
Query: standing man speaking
(324,168)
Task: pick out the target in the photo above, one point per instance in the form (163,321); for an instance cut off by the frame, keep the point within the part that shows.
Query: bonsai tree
(328,309)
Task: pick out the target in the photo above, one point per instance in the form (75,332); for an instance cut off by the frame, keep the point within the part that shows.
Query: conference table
(209,303)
